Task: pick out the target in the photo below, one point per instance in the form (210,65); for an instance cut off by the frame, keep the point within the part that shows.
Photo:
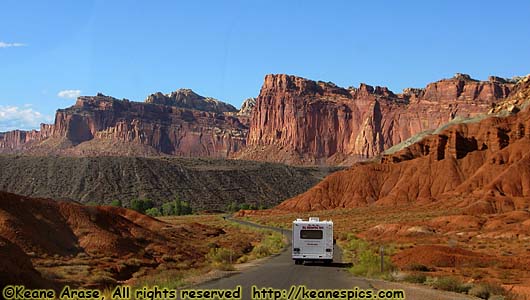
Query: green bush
(141,205)
(116,203)
(485,290)
(271,243)
(221,258)
(153,212)
(245,206)
(415,278)
(176,207)
(232,207)
(366,259)
(451,284)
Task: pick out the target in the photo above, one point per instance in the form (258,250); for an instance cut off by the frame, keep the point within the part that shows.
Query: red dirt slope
(483,166)
(16,267)
(64,236)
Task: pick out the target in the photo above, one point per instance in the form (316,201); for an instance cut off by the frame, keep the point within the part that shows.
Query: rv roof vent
(313,219)
(299,220)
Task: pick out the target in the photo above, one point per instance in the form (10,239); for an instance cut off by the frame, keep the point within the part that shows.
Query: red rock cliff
(104,125)
(293,120)
(302,121)
(481,165)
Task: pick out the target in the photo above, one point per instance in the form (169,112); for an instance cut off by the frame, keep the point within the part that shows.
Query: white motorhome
(312,240)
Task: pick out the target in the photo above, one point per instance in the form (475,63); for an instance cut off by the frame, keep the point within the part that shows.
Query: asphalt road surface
(280,272)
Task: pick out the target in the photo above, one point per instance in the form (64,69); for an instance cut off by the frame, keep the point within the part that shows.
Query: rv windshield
(311,234)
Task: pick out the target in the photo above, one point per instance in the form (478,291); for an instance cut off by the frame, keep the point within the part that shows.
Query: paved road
(280,272)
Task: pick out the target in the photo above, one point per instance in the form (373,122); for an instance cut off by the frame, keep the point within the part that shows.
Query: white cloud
(69,94)
(25,117)
(9,45)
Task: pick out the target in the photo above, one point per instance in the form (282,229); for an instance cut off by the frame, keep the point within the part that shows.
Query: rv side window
(311,234)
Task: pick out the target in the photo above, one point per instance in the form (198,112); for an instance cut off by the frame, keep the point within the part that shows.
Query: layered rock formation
(111,241)
(247,106)
(181,123)
(482,165)
(302,121)
(203,183)
(187,98)
(294,120)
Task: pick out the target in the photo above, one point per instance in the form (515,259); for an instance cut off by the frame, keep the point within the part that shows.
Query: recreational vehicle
(312,240)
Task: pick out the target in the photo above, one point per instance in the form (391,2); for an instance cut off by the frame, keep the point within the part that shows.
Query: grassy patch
(366,259)
(415,278)
(486,290)
(222,258)
(271,243)
(451,284)
(171,279)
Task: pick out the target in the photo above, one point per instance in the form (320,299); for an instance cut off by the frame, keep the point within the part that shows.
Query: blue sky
(50,51)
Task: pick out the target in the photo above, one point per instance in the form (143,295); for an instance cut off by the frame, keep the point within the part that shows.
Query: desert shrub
(245,206)
(261,251)
(176,207)
(168,209)
(418,268)
(366,259)
(450,284)
(221,258)
(171,279)
(232,207)
(153,212)
(141,205)
(415,278)
(116,203)
(271,243)
(368,264)
(243,259)
(479,291)
(485,290)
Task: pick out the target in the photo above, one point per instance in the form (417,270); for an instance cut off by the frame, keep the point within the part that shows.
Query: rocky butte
(301,121)
(181,123)
(481,165)
(293,120)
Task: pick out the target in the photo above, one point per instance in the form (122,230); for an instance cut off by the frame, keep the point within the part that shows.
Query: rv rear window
(311,234)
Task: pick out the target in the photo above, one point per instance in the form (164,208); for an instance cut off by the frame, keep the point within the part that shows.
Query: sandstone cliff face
(297,120)
(186,98)
(481,165)
(247,106)
(104,125)
(294,120)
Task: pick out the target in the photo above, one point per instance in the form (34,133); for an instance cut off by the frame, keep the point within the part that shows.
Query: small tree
(116,203)
(232,207)
(178,206)
(185,208)
(153,212)
(148,204)
(137,205)
(141,205)
(168,208)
